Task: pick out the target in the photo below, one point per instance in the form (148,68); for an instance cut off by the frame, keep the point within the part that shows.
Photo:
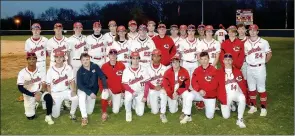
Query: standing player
(156,71)
(132,25)
(30,83)
(201,32)
(113,70)
(96,48)
(151,25)
(182,31)
(165,44)
(87,82)
(176,82)
(210,45)
(175,37)
(122,45)
(258,53)
(134,80)
(61,85)
(144,46)
(242,32)
(220,34)
(204,85)
(77,45)
(109,37)
(231,87)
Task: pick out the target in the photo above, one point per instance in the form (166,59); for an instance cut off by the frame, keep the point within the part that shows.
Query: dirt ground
(12,58)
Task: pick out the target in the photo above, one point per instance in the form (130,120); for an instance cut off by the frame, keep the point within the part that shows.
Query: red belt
(190,61)
(97,58)
(258,65)
(144,61)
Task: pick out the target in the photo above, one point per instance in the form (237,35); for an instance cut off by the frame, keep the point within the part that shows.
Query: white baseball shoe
(252,110)
(240,123)
(163,118)
(186,119)
(49,120)
(128,116)
(263,112)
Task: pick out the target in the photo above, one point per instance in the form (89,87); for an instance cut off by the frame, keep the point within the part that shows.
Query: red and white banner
(244,16)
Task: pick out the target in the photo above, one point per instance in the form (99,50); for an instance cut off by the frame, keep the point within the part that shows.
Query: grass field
(280,118)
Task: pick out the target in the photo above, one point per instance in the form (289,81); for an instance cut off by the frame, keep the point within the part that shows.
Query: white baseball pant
(42,66)
(76,64)
(116,100)
(195,96)
(59,97)
(256,77)
(190,67)
(238,97)
(139,105)
(154,97)
(86,103)
(98,62)
(30,104)
(244,70)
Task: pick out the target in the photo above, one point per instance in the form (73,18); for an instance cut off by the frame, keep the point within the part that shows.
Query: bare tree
(91,10)
(49,14)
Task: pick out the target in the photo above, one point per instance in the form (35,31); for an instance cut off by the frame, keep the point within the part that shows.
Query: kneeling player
(30,82)
(134,80)
(204,85)
(61,84)
(231,87)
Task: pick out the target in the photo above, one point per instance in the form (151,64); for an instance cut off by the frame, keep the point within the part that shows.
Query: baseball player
(77,46)
(143,45)
(113,70)
(57,43)
(204,88)
(151,25)
(109,37)
(210,45)
(95,45)
(258,53)
(132,26)
(175,37)
(156,71)
(30,82)
(231,87)
(176,82)
(122,45)
(220,33)
(60,82)
(164,43)
(87,82)
(183,31)
(134,79)
(201,32)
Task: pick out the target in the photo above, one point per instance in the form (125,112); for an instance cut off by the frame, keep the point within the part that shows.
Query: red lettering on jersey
(33,80)
(230,81)
(210,49)
(131,82)
(142,49)
(110,43)
(190,50)
(59,48)
(254,50)
(122,51)
(96,45)
(37,49)
(60,79)
(156,77)
(80,45)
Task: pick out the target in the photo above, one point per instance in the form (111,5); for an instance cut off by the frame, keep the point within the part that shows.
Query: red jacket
(204,79)
(221,92)
(114,76)
(236,49)
(169,81)
(167,47)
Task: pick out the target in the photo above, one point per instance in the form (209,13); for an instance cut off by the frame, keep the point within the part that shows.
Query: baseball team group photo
(147,67)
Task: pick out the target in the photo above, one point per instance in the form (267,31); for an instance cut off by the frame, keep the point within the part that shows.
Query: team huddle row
(143,66)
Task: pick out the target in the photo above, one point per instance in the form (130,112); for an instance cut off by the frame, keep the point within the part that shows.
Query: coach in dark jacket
(87,82)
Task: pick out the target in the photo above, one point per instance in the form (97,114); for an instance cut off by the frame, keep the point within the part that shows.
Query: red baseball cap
(176,56)
(183,27)
(142,27)
(134,54)
(156,52)
(112,22)
(96,24)
(208,27)
(58,25)
(121,28)
(31,54)
(227,55)
(78,24)
(232,27)
(253,27)
(161,26)
(36,26)
(59,53)
(113,51)
(132,22)
(151,22)
(201,26)
(191,27)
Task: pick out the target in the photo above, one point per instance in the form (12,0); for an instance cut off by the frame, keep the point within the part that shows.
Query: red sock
(104,105)
(263,98)
(252,95)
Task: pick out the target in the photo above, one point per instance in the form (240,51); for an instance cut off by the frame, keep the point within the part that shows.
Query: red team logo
(208,78)
(181,78)
(236,48)
(119,73)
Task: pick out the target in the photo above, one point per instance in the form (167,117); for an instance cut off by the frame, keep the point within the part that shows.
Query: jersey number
(220,33)
(258,55)
(42,53)
(147,53)
(213,55)
(142,84)
(233,87)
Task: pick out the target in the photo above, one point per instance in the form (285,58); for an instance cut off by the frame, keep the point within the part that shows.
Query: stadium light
(17,22)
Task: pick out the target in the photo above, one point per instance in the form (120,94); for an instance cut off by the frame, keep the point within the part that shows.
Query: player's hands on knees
(175,95)
(134,94)
(202,93)
(143,99)
(73,94)
(37,96)
(158,88)
(93,96)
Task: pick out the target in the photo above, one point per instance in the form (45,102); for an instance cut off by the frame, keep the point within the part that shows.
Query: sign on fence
(244,16)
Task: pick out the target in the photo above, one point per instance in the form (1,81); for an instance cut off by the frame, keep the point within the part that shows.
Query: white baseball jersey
(123,50)
(188,50)
(135,79)
(153,35)
(133,37)
(59,79)
(77,46)
(211,47)
(108,38)
(231,85)
(256,51)
(96,47)
(156,74)
(176,41)
(144,48)
(220,33)
(38,47)
(54,45)
(32,81)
